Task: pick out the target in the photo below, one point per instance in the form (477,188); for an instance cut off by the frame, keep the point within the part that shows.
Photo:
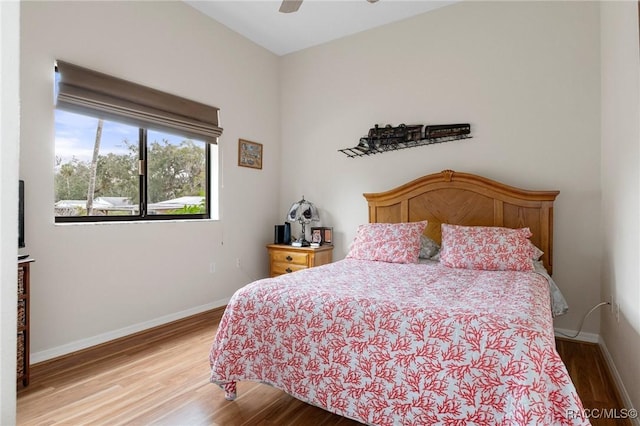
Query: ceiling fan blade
(289,6)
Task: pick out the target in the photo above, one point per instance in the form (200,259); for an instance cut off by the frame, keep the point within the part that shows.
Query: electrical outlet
(212,268)
(238,263)
(618,312)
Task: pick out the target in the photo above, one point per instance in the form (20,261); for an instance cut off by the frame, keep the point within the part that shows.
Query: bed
(388,336)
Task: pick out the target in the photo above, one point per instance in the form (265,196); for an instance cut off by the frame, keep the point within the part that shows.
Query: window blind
(93,93)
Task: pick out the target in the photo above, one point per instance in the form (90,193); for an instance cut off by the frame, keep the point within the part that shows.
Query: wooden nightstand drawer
(290,257)
(284,259)
(278,268)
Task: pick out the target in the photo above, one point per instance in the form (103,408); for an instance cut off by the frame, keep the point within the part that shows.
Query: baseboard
(36,357)
(626,400)
(582,337)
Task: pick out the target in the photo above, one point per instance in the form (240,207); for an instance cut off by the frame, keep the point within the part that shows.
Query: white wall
(9,135)
(621,188)
(92,282)
(526,75)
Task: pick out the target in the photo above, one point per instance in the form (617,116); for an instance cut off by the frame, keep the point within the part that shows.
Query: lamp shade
(303,211)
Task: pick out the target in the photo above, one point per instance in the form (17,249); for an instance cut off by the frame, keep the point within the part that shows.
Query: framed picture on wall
(249,154)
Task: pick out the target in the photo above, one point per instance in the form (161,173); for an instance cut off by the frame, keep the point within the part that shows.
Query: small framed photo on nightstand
(316,236)
(322,235)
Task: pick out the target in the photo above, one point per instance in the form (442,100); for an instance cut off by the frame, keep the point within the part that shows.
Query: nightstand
(284,259)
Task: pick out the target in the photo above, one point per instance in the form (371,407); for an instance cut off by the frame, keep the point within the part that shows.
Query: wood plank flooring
(591,377)
(160,377)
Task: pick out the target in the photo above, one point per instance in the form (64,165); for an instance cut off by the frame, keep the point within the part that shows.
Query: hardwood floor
(592,379)
(160,377)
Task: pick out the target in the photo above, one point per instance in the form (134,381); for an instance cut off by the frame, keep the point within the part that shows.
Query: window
(106,170)
(118,160)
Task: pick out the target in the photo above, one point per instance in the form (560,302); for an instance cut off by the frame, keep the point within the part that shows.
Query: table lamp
(303,212)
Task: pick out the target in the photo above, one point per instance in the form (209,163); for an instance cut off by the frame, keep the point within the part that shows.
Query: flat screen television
(21,214)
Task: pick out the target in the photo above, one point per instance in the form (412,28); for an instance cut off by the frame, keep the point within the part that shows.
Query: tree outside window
(106,170)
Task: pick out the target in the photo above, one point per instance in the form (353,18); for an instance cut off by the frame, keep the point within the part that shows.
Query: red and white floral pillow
(486,248)
(388,242)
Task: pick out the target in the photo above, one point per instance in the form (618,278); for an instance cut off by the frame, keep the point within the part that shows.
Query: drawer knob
(289,258)
(288,270)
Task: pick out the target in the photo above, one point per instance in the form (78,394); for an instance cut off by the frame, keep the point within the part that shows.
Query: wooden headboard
(466,199)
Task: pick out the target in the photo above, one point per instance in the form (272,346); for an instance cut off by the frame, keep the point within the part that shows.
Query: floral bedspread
(401,344)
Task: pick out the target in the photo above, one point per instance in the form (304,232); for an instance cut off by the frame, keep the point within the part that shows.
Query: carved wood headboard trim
(467,199)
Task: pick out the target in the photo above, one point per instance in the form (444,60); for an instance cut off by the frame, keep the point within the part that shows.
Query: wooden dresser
(284,259)
(22,362)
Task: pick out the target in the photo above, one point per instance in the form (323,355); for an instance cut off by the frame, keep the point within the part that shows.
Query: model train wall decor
(389,138)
